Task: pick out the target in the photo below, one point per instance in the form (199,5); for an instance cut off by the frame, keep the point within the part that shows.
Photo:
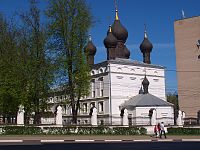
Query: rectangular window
(84,108)
(101,122)
(93,93)
(101,94)
(100,107)
(92,104)
(93,87)
(101,86)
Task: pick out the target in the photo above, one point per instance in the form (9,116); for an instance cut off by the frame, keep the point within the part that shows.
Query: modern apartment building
(187,42)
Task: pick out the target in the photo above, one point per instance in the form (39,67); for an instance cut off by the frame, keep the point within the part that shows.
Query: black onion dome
(145,81)
(126,52)
(110,41)
(119,31)
(146,45)
(90,47)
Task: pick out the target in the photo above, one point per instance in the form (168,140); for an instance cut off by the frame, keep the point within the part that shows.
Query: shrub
(184,131)
(101,130)
(21,130)
(129,131)
(94,130)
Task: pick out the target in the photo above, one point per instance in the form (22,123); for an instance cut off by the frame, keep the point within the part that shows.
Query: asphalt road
(108,146)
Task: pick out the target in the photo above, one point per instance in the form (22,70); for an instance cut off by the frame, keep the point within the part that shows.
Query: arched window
(100,107)
(100,70)
(92,72)
(93,87)
(155,73)
(132,70)
(119,69)
(84,108)
(101,86)
(92,104)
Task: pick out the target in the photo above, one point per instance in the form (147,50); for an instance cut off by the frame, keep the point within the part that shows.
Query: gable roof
(144,100)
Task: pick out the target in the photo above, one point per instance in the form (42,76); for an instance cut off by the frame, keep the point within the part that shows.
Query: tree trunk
(37,118)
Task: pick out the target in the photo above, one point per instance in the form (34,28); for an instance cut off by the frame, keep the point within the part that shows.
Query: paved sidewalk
(93,138)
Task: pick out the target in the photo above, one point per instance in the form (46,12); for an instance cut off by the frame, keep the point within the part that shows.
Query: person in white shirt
(162,130)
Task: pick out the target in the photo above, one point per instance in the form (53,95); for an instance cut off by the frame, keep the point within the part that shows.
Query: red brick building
(187,42)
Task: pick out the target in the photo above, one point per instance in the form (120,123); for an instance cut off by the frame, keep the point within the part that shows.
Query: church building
(124,91)
(119,83)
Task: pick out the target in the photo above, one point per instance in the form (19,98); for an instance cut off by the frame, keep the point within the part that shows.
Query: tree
(37,67)
(173,98)
(69,21)
(26,71)
(10,81)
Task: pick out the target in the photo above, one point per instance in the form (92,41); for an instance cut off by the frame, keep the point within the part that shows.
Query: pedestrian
(156,134)
(158,126)
(162,130)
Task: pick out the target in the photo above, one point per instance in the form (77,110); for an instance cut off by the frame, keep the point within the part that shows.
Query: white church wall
(126,81)
(141,116)
(106,106)
(106,86)
(157,86)
(163,114)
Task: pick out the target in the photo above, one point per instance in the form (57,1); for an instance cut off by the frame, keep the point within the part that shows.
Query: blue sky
(159,15)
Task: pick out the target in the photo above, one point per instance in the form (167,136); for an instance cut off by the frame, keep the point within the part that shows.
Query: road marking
(165,140)
(113,140)
(11,141)
(138,140)
(46,141)
(84,140)
(145,140)
(190,140)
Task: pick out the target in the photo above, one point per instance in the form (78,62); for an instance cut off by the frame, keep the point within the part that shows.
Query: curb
(93,141)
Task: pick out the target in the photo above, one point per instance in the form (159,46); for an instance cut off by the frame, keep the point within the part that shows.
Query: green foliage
(26,71)
(59,130)
(27,63)
(142,131)
(94,131)
(17,130)
(10,80)
(37,66)
(21,130)
(127,131)
(69,21)
(173,98)
(183,131)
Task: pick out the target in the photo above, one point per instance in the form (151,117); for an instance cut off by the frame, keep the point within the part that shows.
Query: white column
(20,115)
(94,117)
(59,116)
(179,121)
(153,118)
(183,117)
(125,118)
